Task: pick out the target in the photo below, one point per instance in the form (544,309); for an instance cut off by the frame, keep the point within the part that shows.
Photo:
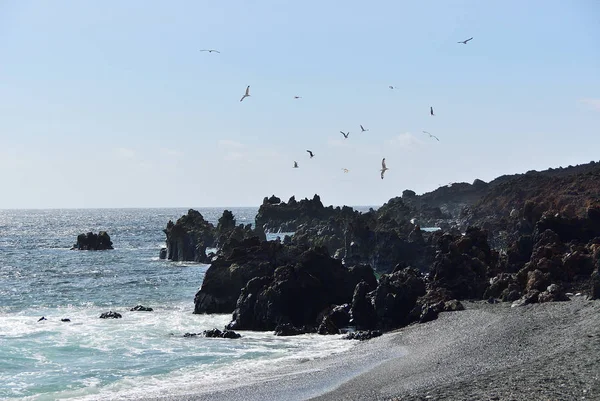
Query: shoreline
(535,352)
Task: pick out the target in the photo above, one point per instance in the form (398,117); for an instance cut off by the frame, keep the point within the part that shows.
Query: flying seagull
(431,136)
(311,154)
(464,42)
(295,164)
(391,87)
(362,129)
(345,135)
(297,97)
(210,51)
(431,111)
(383,168)
(247,94)
(345,170)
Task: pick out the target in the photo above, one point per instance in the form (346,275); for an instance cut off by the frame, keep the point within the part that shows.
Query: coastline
(535,352)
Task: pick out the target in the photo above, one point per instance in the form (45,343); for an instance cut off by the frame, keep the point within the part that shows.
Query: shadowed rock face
(297,292)
(93,242)
(188,238)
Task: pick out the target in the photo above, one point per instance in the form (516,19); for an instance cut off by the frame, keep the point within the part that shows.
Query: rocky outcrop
(188,238)
(141,308)
(93,242)
(237,263)
(110,315)
(276,216)
(297,292)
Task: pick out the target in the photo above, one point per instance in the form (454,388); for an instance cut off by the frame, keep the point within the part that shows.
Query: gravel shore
(545,351)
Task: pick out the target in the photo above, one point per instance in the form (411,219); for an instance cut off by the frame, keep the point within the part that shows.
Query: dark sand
(488,352)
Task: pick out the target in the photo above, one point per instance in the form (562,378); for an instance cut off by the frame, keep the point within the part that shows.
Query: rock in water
(110,315)
(93,242)
(141,308)
(216,333)
(362,335)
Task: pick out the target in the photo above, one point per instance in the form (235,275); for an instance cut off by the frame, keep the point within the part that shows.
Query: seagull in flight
(311,154)
(295,164)
(431,135)
(210,51)
(362,129)
(345,134)
(297,97)
(431,111)
(345,170)
(464,42)
(383,168)
(391,87)
(247,94)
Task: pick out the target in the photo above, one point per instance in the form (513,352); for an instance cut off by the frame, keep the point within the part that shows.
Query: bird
(295,164)
(311,154)
(210,51)
(345,135)
(391,87)
(362,129)
(383,167)
(247,94)
(464,42)
(297,97)
(431,136)
(431,111)
(345,170)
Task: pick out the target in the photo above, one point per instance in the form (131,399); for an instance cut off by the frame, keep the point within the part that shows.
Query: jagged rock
(288,329)
(216,333)
(296,292)
(93,242)
(453,305)
(334,319)
(276,216)
(110,315)
(362,335)
(188,238)
(188,335)
(66,320)
(362,309)
(141,308)
(552,294)
(529,298)
(395,297)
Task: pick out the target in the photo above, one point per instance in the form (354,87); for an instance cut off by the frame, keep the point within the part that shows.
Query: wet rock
(110,315)
(334,319)
(216,333)
(362,309)
(42,318)
(65,320)
(141,308)
(362,335)
(188,238)
(288,329)
(163,253)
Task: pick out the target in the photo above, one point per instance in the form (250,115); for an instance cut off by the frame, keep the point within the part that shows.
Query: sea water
(143,354)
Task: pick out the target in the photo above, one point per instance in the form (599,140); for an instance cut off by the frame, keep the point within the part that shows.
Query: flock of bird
(347,134)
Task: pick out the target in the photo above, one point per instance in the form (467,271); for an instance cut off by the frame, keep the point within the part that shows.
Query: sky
(112,104)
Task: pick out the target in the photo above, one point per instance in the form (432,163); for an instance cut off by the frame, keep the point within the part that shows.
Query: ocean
(142,355)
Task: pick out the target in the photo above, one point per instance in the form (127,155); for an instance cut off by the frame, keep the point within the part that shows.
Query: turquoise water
(141,355)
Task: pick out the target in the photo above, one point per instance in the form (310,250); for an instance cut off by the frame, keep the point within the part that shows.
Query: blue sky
(111,104)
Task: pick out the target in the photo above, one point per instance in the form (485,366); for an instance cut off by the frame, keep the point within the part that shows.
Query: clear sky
(111,103)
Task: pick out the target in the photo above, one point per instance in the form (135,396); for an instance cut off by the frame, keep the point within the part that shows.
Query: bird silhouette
(210,50)
(247,94)
(362,129)
(464,42)
(431,135)
(383,167)
(345,134)
(431,111)
(295,164)
(391,87)
(345,170)
(311,154)
(297,97)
